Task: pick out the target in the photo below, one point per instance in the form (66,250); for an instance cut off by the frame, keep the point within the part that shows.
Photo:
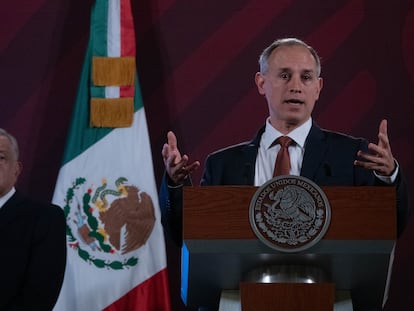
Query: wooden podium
(220,247)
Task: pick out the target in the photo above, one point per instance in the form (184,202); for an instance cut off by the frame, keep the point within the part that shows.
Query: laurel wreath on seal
(93,225)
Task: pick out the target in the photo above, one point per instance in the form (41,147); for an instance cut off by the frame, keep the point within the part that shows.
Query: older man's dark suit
(328,160)
(33,256)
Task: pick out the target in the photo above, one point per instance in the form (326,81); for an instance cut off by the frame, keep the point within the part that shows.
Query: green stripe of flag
(98,40)
(99,28)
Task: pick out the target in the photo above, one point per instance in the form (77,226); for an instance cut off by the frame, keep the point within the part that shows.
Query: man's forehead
(5,144)
(297,59)
(296,48)
(294,52)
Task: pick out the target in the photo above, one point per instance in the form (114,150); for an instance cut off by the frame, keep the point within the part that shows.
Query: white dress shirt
(266,156)
(8,195)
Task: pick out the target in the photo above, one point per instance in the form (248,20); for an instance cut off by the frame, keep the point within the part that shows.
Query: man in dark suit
(32,238)
(289,79)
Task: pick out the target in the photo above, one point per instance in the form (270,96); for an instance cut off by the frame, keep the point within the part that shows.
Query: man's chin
(294,120)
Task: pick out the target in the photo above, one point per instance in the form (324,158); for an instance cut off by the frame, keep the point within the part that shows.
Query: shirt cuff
(389,179)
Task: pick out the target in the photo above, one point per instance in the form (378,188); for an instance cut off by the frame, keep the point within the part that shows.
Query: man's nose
(295,84)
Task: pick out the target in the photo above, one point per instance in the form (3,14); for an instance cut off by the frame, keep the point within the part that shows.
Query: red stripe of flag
(146,296)
(128,47)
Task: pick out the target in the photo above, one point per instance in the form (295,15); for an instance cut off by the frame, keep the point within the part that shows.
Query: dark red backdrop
(196,62)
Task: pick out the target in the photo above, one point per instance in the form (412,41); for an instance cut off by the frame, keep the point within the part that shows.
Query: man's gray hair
(264,57)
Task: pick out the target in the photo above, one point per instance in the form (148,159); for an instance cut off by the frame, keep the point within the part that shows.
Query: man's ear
(259,79)
(18,168)
(320,80)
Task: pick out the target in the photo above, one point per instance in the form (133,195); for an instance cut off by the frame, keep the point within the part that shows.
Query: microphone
(327,169)
(246,173)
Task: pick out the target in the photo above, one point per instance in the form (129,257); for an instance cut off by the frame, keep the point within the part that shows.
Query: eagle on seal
(130,220)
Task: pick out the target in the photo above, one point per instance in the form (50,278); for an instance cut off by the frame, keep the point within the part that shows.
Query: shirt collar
(6,197)
(299,134)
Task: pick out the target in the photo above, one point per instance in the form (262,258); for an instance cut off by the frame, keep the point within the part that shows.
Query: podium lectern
(220,247)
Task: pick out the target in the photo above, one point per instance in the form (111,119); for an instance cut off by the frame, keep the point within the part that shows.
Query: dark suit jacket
(328,160)
(33,256)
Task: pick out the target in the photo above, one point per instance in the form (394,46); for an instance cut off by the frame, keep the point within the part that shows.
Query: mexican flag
(106,185)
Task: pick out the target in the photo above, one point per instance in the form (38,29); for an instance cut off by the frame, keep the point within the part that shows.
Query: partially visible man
(32,238)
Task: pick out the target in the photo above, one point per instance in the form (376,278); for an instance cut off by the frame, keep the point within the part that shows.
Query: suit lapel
(250,154)
(315,148)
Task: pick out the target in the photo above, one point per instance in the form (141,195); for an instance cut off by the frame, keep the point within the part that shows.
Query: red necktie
(282,164)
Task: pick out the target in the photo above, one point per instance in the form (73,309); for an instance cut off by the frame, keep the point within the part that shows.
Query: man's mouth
(294,101)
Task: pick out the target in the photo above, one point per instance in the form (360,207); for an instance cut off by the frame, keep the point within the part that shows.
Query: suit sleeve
(171,205)
(402,204)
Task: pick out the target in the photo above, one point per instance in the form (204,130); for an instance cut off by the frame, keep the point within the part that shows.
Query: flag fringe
(112,112)
(113,71)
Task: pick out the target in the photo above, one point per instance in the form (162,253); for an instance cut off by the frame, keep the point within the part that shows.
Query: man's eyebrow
(312,71)
(290,69)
